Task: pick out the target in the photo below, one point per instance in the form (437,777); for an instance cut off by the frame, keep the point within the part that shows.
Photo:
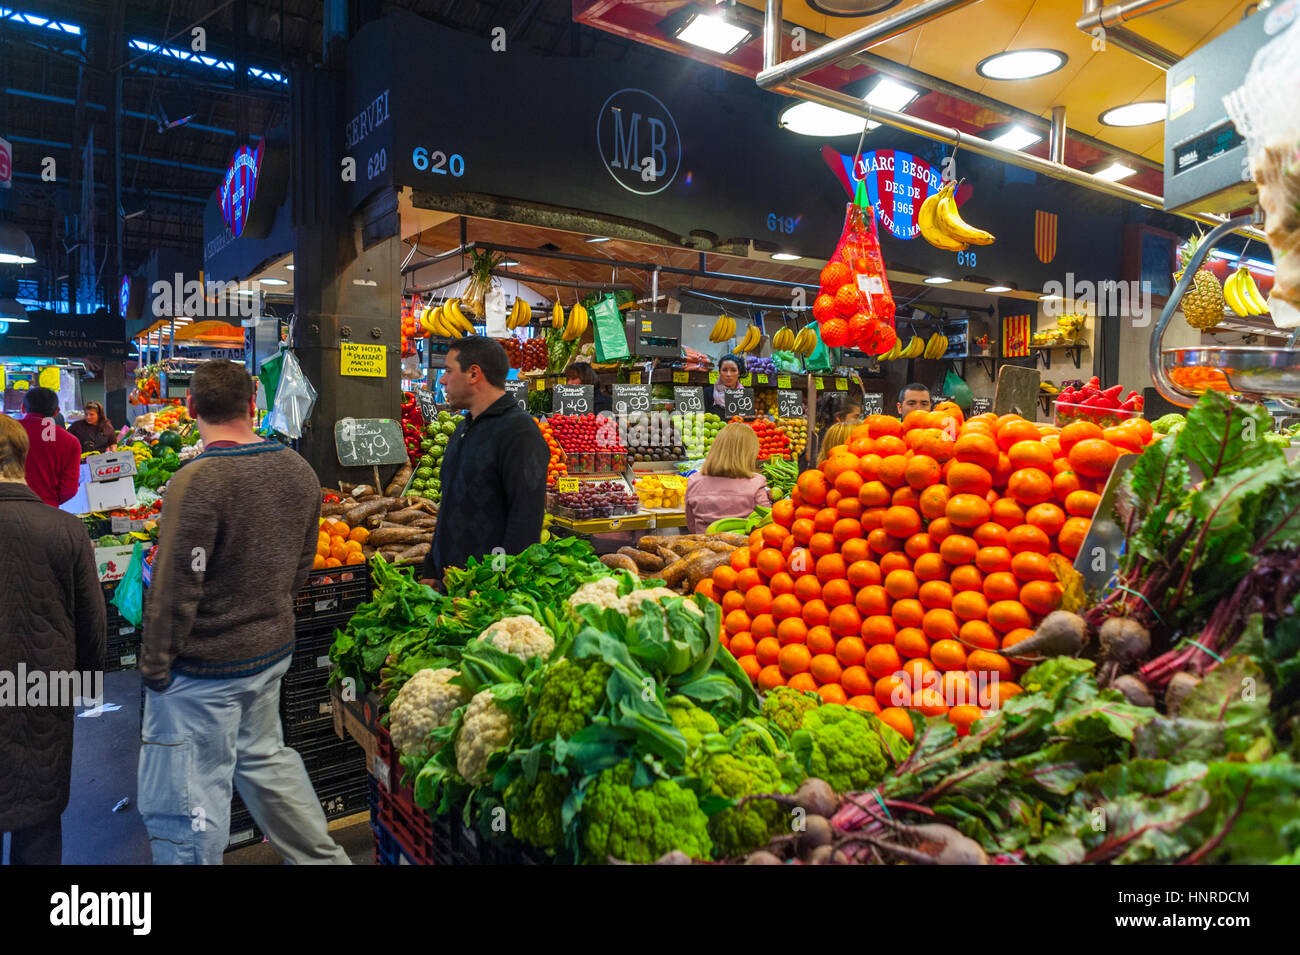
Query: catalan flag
(1015,336)
(1044,235)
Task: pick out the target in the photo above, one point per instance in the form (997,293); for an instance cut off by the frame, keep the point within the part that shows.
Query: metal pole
(654,280)
(171,337)
(772,31)
(1109,20)
(1056,142)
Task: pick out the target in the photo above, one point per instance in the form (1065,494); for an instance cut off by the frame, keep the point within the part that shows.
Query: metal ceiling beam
(1110,21)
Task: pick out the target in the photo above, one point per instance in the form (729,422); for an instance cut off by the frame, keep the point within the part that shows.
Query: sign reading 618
(438,162)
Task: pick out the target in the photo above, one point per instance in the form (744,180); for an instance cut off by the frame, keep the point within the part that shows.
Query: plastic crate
(343,798)
(311,648)
(122,655)
(414,831)
(324,753)
(332,592)
(306,707)
(388,851)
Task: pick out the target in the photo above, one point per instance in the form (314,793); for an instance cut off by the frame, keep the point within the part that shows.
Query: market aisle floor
(105,755)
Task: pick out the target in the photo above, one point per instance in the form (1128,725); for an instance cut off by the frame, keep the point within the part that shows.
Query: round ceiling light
(994,289)
(937,280)
(852,8)
(1020,64)
(814,119)
(785,257)
(1134,114)
(270,281)
(16,247)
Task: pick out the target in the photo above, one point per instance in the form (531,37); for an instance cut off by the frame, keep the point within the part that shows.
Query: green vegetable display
(786,707)
(571,695)
(641,823)
(843,746)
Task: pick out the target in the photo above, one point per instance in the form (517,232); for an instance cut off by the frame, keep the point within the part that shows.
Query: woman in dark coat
(53,620)
(94,431)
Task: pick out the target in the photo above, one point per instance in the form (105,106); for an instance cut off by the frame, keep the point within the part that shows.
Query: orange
(940,624)
(1065,483)
(802,530)
(976,448)
(857,681)
(893,470)
(969,479)
(930,567)
(786,605)
(740,558)
(799,561)
(1027,537)
(919,544)
(769,561)
(846,529)
(898,719)
(1123,437)
(1081,504)
(935,595)
(970,605)
(724,577)
(907,612)
(1031,565)
(872,599)
(764,625)
(877,629)
(825,668)
(830,567)
(881,424)
(882,660)
(921,472)
(990,534)
(802,681)
(957,687)
(733,600)
(992,559)
(1002,471)
(1093,457)
(902,521)
(940,528)
(986,661)
(1072,536)
(1030,454)
(915,670)
(359,534)
(966,577)
(889,446)
(961,717)
(1041,596)
(750,665)
(948,655)
(848,483)
(825,519)
(1001,586)
(774,534)
(1053,443)
(338,548)
(967,510)
(781,583)
(794,658)
(839,462)
(863,573)
(891,690)
(822,543)
(807,587)
(880,541)
(812,486)
(318,562)
(850,650)
(865,703)
(832,693)
(339,529)
(770,677)
(783,512)
(845,621)
(792,630)
(1008,513)
(1048,518)
(932,443)
(869,466)
(855,550)
(958,549)
(949,415)
(821,640)
(747,578)
(1015,430)
(736,622)
(933,501)
(758,600)
(1008,615)
(837,592)
(1030,486)
(767,650)
(911,642)
(901,583)
(1078,431)
(874,494)
(978,634)
(1011,639)
(1003,690)
(930,701)
(742,644)
(914,420)
(333,562)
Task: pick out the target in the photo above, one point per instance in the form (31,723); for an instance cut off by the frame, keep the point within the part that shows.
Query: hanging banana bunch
(521,313)
(577,323)
(783,340)
(943,226)
(724,330)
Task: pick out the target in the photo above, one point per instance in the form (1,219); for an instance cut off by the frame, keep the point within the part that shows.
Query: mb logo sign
(639,142)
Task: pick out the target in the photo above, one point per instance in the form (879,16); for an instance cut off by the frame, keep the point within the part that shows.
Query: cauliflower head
(571,693)
(535,809)
(425,702)
(640,825)
(485,728)
(786,707)
(839,744)
(523,636)
(738,830)
(603,593)
(691,721)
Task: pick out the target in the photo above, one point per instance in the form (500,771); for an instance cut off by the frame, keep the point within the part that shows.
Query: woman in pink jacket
(728,483)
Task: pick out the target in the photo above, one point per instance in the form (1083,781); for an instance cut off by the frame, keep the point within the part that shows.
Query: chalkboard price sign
(573,399)
(873,402)
(980,406)
(516,388)
(689,400)
(630,398)
(789,404)
(428,409)
(739,401)
(366,441)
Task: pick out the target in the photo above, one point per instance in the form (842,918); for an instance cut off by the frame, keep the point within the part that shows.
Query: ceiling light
(508,263)
(1134,114)
(1049,298)
(1020,64)
(785,256)
(1017,137)
(15,246)
(273,281)
(1115,172)
(289,267)
(998,288)
(937,280)
(714,33)
(889,94)
(598,238)
(814,119)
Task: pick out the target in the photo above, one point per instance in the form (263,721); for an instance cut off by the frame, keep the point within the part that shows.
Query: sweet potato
(363,491)
(643,560)
(703,567)
(406,515)
(619,562)
(332,508)
(726,537)
(394,535)
(675,572)
(375,505)
(398,483)
(415,551)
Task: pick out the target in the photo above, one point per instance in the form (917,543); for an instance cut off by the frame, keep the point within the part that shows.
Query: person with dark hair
(493,468)
(913,397)
(581,373)
(94,430)
(53,622)
(54,455)
(730,368)
(239,529)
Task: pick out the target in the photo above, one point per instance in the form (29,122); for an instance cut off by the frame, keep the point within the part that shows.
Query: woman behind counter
(581,373)
(94,430)
(730,368)
(727,484)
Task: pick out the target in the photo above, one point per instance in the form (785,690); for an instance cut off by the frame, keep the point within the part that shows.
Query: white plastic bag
(294,399)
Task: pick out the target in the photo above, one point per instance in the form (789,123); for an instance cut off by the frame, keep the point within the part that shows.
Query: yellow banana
(951,222)
(1232,294)
(527,314)
(927,219)
(1252,292)
(557,316)
(457,320)
(717,332)
(516,312)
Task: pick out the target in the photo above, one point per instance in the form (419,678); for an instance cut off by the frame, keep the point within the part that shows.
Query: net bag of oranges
(854,306)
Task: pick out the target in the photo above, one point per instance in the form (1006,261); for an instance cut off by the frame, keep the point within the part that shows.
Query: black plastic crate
(301,708)
(333,592)
(307,679)
(311,652)
(326,752)
(344,797)
(122,655)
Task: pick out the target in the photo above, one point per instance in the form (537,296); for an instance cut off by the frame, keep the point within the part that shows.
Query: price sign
(841,384)
(783,381)
(628,398)
(818,383)
(980,406)
(747,381)
(689,400)
(427,406)
(539,384)
(873,402)
(739,401)
(365,441)
(681,377)
(573,399)
(713,377)
(516,388)
(49,378)
(634,377)
(674,482)
(789,404)
(566,485)
(762,379)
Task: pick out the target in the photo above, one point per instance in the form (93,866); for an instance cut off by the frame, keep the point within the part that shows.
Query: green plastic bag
(822,358)
(128,597)
(957,390)
(610,334)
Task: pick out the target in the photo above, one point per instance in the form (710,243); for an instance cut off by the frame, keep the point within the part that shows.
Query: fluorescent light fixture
(289,268)
(998,288)
(814,119)
(1017,137)
(1233,257)
(15,246)
(714,33)
(1021,64)
(509,262)
(937,280)
(33,20)
(785,256)
(1115,172)
(273,281)
(892,95)
(187,56)
(1050,298)
(1135,114)
(598,238)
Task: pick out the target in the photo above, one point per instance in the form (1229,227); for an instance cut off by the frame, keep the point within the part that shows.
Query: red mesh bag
(854,306)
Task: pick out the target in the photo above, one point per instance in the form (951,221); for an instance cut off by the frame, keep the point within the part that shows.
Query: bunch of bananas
(915,348)
(577,323)
(783,340)
(557,316)
(943,226)
(1243,295)
(753,338)
(724,329)
(936,346)
(805,343)
(446,321)
(521,313)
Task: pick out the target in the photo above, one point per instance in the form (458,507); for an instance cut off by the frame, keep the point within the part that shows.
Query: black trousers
(41,844)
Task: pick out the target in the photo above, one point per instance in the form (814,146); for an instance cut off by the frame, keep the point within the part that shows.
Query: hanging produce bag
(294,399)
(956,388)
(854,306)
(128,596)
(822,357)
(611,336)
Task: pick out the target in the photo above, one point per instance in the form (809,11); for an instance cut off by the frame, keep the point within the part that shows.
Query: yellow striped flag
(1015,336)
(1044,235)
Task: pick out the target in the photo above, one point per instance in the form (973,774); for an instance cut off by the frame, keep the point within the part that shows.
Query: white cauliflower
(486,728)
(522,636)
(604,593)
(425,702)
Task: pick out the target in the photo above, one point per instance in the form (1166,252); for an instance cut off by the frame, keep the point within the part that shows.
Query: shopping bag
(955,387)
(294,398)
(128,598)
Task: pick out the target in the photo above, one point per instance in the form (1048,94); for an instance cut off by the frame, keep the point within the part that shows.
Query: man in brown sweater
(238,536)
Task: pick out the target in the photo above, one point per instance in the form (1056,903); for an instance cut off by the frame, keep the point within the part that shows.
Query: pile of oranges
(556,466)
(338,544)
(917,556)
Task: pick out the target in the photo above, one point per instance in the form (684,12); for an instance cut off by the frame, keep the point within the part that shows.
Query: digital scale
(175,382)
(654,334)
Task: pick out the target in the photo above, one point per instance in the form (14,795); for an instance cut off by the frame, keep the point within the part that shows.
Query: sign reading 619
(437,161)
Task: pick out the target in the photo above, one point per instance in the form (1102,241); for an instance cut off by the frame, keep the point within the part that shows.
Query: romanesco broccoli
(738,830)
(535,809)
(640,825)
(786,707)
(571,693)
(691,721)
(839,744)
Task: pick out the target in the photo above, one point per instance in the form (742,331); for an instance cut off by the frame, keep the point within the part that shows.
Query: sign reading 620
(438,162)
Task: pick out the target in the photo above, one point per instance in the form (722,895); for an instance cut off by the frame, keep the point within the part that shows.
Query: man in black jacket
(494,467)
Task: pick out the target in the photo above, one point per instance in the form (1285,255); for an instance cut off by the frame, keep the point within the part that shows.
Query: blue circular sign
(239,187)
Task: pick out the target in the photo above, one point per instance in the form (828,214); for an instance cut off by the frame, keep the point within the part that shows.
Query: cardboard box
(358,719)
(107,495)
(108,467)
(112,562)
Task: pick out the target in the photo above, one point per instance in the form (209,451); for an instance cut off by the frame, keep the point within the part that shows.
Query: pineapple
(1203,305)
